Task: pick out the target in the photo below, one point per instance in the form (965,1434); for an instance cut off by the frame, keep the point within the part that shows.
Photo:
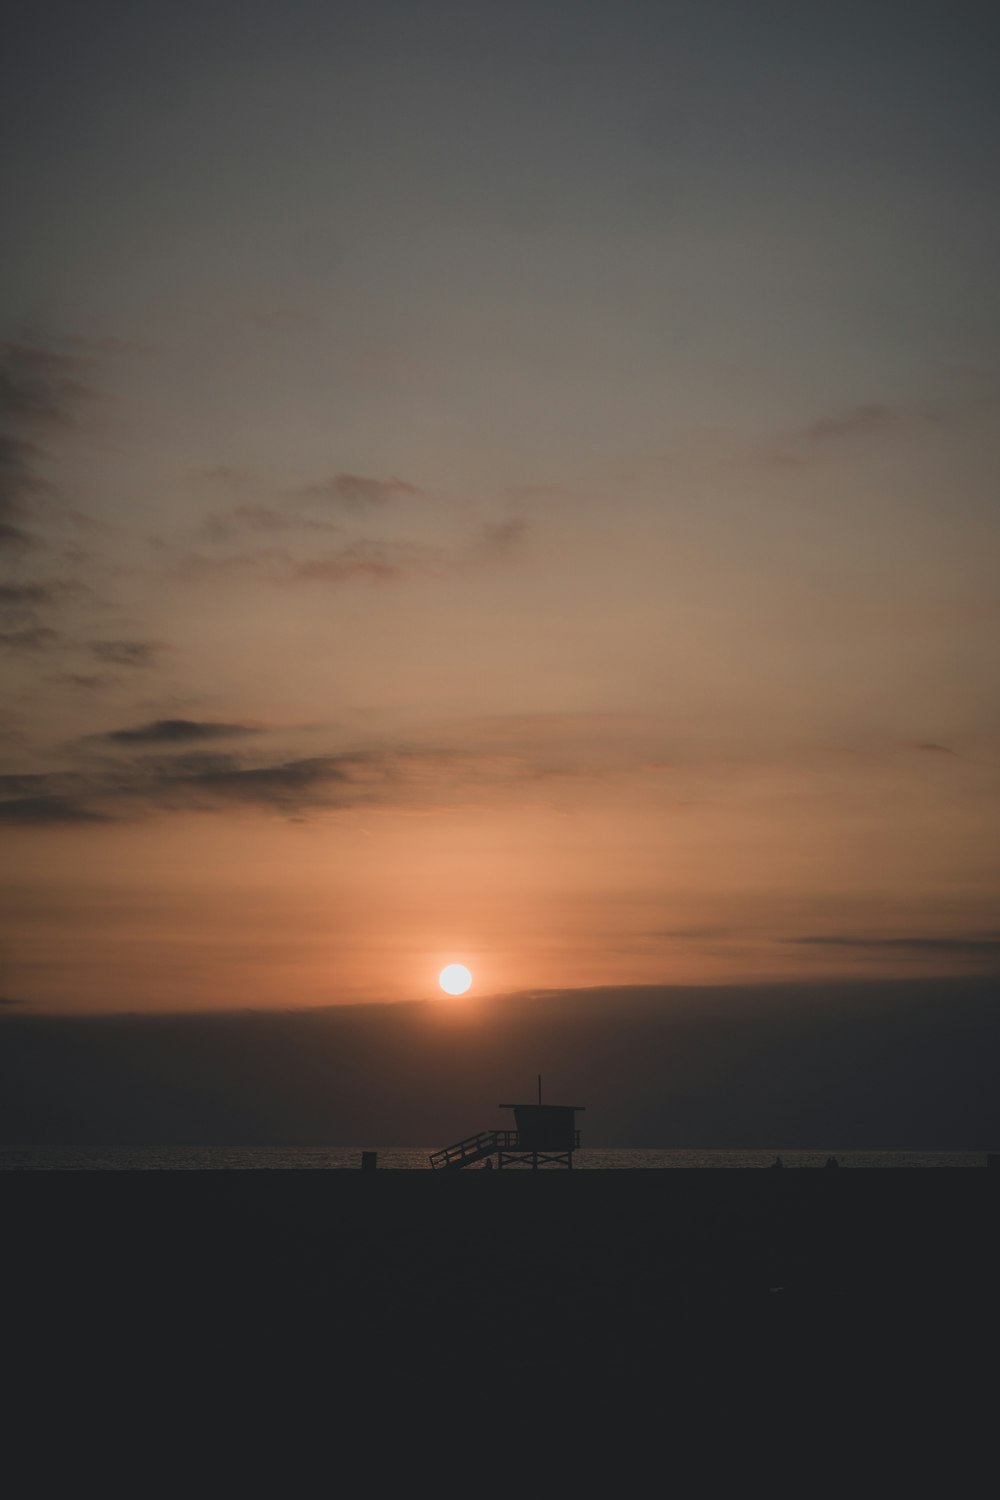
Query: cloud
(40,392)
(221,526)
(19,485)
(26,612)
(292,786)
(38,387)
(224,474)
(502,537)
(89,681)
(279,541)
(24,784)
(363,559)
(205,782)
(24,593)
(46,812)
(356,491)
(696,933)
(971,945)
(212,781)
(104,344)
(18,481)
(905,1062)
(871,420)
(9,1000)
(366,559)
(22,626)
(852,425)
(174,731)
(29,638)
(934,749)
(170,766)
(14,538)
(246,518)
(127,653)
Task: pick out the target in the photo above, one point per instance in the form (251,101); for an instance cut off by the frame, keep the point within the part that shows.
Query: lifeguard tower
(544,1135)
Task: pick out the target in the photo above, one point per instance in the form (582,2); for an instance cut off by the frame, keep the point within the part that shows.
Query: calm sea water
(339,1158)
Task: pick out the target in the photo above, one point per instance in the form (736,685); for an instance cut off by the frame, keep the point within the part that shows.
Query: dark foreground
(491,1303)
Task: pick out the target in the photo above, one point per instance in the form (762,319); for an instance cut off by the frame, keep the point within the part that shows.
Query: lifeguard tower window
(545,1127)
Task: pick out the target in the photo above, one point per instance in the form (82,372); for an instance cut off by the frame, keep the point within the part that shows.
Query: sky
(509,484)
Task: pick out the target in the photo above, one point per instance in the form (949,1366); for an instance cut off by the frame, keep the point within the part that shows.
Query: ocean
(417,1159)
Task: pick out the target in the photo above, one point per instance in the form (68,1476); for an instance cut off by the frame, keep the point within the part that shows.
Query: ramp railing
(463,1153)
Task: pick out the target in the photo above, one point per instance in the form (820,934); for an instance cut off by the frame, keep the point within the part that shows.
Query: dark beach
(752,1287)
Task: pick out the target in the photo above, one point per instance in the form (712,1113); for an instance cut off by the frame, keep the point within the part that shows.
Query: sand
(376,1333)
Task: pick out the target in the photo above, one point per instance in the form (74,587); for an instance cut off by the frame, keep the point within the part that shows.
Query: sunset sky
(512,484)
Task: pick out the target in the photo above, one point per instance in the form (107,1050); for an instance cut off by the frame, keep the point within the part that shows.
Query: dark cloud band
(176,731)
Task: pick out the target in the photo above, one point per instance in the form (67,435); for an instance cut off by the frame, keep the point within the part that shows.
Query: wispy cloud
(16,539)
(222,526)
(21,594)
(699,932)
(176,731)
(375,561)
(46,812)
(362,560)
(500,538)
(19,488)
(214,780)
(356,491)
(972,944)
(127,653)
(39,396)
(29,638)
(106,343)
(85,681)
(40,388)
(288,540)
(40,392)
(868,420)
(18,480)
(226,474)
(202,781)
(26,614)
(292,786)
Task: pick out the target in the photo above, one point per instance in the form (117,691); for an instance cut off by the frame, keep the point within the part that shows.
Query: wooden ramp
(464,1153)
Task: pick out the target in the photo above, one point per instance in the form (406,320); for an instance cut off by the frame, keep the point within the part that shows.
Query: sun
(454,979)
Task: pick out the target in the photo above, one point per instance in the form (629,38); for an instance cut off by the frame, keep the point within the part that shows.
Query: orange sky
(528,525)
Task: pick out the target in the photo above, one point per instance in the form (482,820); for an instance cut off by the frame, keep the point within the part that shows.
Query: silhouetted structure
(545,1135)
